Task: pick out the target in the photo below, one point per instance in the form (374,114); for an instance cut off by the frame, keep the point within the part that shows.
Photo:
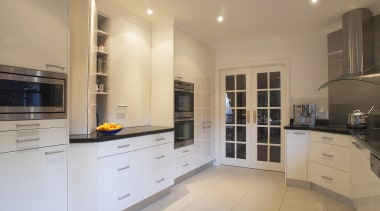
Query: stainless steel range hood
(358,48)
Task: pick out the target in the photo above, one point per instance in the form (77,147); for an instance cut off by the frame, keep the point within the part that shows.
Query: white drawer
(330,155)
(31,124)
(114,147)
(183,165)
(119,197)
(332,179)
(156,181)
(157,139)
(183,151)
(119,169)
(33,138)
(158,157)
(330,138)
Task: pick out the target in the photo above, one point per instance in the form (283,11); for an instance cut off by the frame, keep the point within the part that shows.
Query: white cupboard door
(34,34)
(34,179)
(296,154)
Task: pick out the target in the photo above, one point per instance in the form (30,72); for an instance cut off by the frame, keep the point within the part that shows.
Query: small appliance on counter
(304,114)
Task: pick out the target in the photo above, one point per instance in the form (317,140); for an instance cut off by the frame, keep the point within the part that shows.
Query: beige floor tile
(333,205)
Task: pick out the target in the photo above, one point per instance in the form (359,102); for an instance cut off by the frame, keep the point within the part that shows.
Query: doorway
(253,113)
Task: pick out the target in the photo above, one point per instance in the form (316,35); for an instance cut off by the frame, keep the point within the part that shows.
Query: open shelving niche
(102,67)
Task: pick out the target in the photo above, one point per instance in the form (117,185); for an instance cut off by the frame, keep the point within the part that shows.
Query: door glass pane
(275,98)
(262,80)
(241,131)
(275,154)
(262,135)
(230,133)
(240,99)
(275,117)
(241,151)
(230,116)
(275,80)
(262,99)
(262,153)
(275,135)
(262,116)
(230,150)
(240,82)
(230,82)
(240,116)
(230,99)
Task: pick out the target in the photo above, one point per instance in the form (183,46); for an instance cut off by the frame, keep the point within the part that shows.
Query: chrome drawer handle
(160,139)
(27,140)
(160,157)
(299,133)
(185,165)
(357,145)
(161,180)
(55,66)
(327,178)
(28,125)
(54,152)
(123,168)
(185,151)
(123,146)
(327,155)
(327,138)
(123,197)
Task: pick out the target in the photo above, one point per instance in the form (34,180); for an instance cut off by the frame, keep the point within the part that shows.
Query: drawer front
(330,138)
(31,124)
(332,179)
(183,165)
(183,151)
(119,197)
(157,139)
(330,155)
(33,138)
(119,169)
(156,181)
(119,146)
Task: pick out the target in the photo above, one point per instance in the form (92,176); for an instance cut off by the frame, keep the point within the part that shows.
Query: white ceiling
(245,19)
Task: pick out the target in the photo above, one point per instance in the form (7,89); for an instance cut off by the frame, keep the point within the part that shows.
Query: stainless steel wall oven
(183,114)
(31,94)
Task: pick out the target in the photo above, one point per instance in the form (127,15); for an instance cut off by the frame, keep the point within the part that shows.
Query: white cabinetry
(33,163)
(329,161)
(297,142)
(34,34)
(184,160)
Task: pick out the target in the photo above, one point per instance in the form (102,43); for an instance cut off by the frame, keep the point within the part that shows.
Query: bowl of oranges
(109,128)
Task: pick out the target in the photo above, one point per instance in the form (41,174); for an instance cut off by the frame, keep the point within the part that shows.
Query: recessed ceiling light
(149,11)
(220,18)
(314,1)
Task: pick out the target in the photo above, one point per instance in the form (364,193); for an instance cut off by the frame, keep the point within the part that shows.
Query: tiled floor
(231,188)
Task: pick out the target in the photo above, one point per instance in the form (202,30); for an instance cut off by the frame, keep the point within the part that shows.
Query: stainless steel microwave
(31,94)
(183,99)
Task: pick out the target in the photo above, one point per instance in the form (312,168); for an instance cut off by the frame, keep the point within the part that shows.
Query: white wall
(307,56)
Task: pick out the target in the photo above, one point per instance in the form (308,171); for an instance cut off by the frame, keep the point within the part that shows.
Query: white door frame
(218,86)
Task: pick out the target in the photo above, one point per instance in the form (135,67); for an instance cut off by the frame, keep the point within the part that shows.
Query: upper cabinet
(34,34)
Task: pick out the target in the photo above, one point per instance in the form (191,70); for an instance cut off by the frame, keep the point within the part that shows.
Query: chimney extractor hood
(358,48)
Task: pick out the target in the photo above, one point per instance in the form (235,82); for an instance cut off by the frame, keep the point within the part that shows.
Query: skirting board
(324,191)
(193,172)
(144,203)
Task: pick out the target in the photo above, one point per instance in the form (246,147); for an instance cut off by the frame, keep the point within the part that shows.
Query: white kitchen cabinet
(184,161)
(34,179)
(297,144)
(34,34)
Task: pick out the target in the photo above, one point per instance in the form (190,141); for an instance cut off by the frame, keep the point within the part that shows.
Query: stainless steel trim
(183,115)
(31,72)
(183,90)
(184,120)
(54,152)
(27,140)
(160,157)
(161,180)
(123,146)
(123,168)
(123,197)
(28,125)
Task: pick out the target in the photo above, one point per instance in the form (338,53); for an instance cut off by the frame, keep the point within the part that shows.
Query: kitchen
(152,58)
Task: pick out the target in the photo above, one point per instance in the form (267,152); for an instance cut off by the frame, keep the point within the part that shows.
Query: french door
(252,113)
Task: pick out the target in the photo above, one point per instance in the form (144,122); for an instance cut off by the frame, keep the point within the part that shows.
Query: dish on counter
(109,128)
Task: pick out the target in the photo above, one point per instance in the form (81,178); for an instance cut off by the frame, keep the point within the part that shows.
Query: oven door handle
(183,90)
(183,120)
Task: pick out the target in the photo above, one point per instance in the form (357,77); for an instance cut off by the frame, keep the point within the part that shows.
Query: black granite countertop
(370,138)
(127,132)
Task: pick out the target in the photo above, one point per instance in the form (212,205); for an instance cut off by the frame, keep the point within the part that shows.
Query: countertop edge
(141,131)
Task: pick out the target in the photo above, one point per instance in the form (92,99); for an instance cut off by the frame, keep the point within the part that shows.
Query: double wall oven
(183,114)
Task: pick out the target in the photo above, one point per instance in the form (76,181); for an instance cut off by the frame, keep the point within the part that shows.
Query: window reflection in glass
(262,116)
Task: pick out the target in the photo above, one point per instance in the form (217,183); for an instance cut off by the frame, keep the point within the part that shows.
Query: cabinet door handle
(254,116)
(27,140)
(123,197)
(357,145)
(123,168)
(161,180)
(248,116)
(185,151)
(185,165)
(28,125)
(122,106)
(327,155)
(54,66)
(327,138)
(54,152)
(160,139)
(327,178)
(123,146)
(160,157)
(299,133)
